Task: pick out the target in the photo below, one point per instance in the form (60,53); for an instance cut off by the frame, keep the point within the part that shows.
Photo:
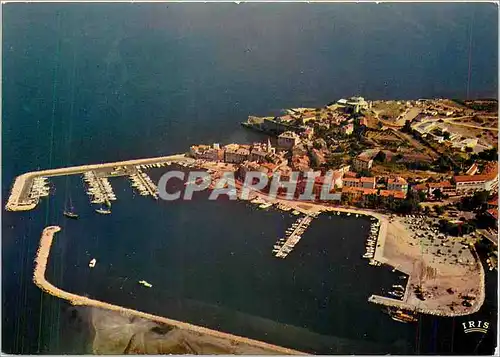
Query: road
(452,122)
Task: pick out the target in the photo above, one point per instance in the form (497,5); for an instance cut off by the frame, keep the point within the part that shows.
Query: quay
(41,281)
(294,238)
(21,200)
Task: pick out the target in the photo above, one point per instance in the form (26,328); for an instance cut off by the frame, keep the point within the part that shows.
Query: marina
(29,187)
(143,183)
(371,243)
(283,246)
(99,188)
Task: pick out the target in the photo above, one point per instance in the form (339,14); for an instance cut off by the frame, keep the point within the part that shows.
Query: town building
(472,170)
(392,193)
(351,182)
(397,184)
(347,129)
(318,157)
(487,181)
(301,163)
(357,193)
(236,154)
(362,182)
(368,182)
(362,163)
(260,152)
(446,187)
(465,143)
(354,104)
(288,140)
(207,152)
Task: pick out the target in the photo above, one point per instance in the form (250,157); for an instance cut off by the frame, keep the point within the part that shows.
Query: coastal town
(424,172)
(429,168)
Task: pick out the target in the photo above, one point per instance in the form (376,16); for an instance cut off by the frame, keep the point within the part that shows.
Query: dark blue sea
(89,83)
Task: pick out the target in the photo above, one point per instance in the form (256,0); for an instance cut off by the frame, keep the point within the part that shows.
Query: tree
(439,210)
(407,127)
(438,195)
(489,154)
(380,157)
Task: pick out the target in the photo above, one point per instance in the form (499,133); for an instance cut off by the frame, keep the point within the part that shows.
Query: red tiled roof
(468,178)
(368,179)
(490,172)
(394,193)
(442,184)
(364,158)
(364,191)
(420,187)
(493,212)
(493,201)
(399,180)
(351,179)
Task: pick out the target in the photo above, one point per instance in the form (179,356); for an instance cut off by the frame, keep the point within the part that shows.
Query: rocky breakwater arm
(19,199)
(40,280)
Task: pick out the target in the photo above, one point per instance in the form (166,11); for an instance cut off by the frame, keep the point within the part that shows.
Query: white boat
(92,263)
(145,283)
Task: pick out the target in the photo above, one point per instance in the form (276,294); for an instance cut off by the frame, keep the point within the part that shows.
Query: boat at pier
(401,316)
(92,263)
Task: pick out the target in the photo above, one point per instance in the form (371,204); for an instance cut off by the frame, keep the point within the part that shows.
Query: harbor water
(90,83)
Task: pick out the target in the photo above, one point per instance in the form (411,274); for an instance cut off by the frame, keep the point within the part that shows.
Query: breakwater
(19,196)
(39,279)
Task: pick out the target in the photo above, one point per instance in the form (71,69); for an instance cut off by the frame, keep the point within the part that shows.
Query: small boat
(145,283)
(68,212)
(103,211)
(71,215)
(92,263)
(401,316)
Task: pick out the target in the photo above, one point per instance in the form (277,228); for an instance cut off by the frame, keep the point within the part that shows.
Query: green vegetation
(476,202)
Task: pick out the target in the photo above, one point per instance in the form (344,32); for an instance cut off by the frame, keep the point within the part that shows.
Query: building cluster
(354,104)
(359,188)
(487,180)
(238,153)
(465,184)
(432,129)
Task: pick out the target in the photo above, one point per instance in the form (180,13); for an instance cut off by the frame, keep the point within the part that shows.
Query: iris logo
(475,326)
